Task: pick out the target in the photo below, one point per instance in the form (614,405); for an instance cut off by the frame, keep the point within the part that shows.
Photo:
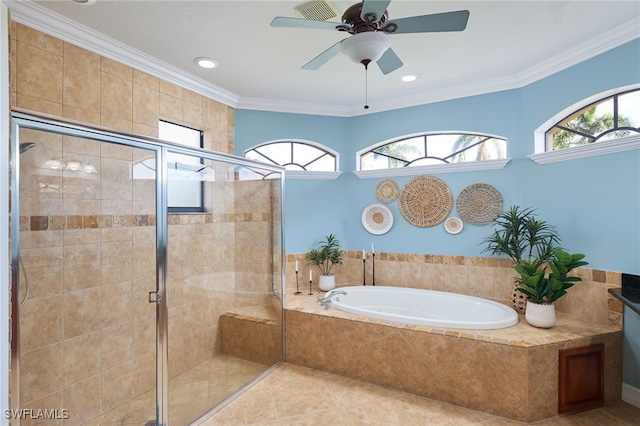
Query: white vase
(327,282)
(541,315)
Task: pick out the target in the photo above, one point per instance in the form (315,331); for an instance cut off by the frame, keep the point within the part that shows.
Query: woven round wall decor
(387,191)
(479,204)
(425,201)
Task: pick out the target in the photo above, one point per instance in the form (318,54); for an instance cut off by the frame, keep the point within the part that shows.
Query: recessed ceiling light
(205,62)
(84,1)
(409,77)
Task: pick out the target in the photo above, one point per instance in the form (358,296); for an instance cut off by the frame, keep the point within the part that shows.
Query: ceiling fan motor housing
(352,17)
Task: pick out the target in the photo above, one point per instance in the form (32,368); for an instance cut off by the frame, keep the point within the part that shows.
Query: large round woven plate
(425,201)
(479,204)
(377,219)
(387,191)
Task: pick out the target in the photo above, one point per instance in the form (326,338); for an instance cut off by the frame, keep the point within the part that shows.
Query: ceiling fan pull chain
(366,86)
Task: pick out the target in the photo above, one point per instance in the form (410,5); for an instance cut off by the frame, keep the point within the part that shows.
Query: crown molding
(40,18)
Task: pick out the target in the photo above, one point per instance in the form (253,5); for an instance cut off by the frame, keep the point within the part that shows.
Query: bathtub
(424,307)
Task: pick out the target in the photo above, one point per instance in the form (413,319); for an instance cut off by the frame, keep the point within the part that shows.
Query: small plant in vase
(544,282)
(327,254)
(521,236)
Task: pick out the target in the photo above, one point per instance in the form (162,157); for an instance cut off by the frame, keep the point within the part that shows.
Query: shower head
(24,147)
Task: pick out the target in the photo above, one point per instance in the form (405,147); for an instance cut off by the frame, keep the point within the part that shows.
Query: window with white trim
(613,117)
(295,155)
(185,186)
(433,149)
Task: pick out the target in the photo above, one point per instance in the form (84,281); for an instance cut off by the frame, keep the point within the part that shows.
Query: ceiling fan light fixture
(205,62)
(408,78)
(366,46)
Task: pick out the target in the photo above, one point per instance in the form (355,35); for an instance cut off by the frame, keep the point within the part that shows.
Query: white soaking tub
(424,307)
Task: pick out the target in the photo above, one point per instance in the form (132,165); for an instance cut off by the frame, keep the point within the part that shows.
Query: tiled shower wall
(487,277)
(88,243)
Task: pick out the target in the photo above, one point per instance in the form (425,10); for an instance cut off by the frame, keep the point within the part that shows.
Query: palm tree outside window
(610,118)
(434,148)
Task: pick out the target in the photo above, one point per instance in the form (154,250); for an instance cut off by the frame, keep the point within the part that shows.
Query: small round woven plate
(453,225)
(387,191)
(377,219)
(479,204)
(425,201)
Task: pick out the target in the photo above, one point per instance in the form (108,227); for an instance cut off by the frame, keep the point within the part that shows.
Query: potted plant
(327,254)
(521,236)
(544,282)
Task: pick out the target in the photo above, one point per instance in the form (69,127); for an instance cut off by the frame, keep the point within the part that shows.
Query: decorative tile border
(56,223)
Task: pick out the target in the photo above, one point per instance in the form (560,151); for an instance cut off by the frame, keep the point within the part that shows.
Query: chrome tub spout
(326,301)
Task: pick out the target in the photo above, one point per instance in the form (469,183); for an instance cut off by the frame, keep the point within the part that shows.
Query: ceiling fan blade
(438,22)
(376,7)
(389,62)
(323,58)
(285,22)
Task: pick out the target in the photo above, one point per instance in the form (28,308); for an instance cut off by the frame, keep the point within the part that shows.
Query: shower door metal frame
(28,120)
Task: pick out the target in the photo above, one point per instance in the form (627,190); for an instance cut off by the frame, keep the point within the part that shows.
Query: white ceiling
(506,44)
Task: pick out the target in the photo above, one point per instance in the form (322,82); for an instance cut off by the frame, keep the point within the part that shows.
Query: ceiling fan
(368,24)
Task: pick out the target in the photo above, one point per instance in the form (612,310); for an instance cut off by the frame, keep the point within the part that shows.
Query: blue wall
(594,202)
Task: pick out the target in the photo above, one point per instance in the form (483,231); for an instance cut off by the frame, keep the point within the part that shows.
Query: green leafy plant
(545,282)
(520,235)
(326,254)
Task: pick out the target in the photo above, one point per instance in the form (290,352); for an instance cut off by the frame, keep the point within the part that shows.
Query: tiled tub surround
(510,372)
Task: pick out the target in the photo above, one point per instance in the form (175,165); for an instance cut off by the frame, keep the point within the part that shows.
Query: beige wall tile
(81,312)
(146,80)
(36,38)
(83,56)
(83,400)
(170,107)
(117,345)
(81,357)
(146,106)
(117,302)
(109,66)
(40,372)
(117,386)
(40,322)
(39,73)
(116,97)
(81,86)
(170,89)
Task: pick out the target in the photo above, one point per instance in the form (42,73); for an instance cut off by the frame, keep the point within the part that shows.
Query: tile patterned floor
(191,394)
(295,395)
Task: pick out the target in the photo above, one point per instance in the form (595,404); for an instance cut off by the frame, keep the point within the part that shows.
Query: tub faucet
(326,301)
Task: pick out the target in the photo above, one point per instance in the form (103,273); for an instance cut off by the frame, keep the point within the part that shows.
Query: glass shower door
(87,229)
(223,282)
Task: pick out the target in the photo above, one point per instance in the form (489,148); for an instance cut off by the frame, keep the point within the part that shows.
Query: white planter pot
(327,282)
(541,315)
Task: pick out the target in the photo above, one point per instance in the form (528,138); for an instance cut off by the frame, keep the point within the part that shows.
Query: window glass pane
(629,109)
(279,153)
(326,162)
(597,121)
(305,154)
(294,156)
(185,172)
(440,148)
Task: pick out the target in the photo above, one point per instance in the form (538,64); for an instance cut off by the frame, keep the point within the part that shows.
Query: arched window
(612,117)
(433,149)
(300,158)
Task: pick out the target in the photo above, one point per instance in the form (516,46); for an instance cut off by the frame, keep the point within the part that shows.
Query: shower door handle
(154,297)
